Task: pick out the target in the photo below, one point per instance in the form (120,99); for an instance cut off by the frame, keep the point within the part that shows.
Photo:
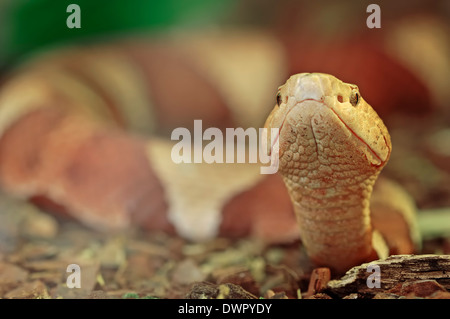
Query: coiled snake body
(65,125)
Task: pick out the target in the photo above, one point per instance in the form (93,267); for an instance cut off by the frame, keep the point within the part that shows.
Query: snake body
(81,134)
(332,146)
(85,131)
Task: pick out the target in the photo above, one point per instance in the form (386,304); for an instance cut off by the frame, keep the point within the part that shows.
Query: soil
(36,249)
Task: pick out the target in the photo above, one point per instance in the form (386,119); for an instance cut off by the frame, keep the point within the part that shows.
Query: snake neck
(330,189)
(316,195)
(334,223)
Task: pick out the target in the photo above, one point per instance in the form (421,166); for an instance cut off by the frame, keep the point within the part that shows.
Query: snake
(83,134)
(332,147)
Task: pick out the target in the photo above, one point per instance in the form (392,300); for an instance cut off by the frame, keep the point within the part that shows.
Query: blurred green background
(28,25)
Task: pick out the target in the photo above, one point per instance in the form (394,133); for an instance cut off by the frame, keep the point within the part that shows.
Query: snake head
(321,111)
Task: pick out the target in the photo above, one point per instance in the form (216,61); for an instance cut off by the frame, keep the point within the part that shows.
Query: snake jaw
(372,156)
(367,128)
(358,117)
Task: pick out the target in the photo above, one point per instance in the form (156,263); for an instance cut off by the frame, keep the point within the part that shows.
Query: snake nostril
(340,98)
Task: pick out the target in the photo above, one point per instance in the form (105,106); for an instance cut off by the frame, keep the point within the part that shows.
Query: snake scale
(82,133)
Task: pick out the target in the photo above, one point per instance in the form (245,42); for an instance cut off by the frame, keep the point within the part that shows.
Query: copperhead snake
(80,159)
(333,145)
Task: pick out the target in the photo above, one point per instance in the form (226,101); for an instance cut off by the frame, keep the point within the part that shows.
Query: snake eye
(279,99)
(354,98)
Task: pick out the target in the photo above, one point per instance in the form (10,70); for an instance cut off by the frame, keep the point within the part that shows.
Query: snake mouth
(378,160)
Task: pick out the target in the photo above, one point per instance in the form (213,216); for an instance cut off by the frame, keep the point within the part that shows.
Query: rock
(414,273)
(418,288)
